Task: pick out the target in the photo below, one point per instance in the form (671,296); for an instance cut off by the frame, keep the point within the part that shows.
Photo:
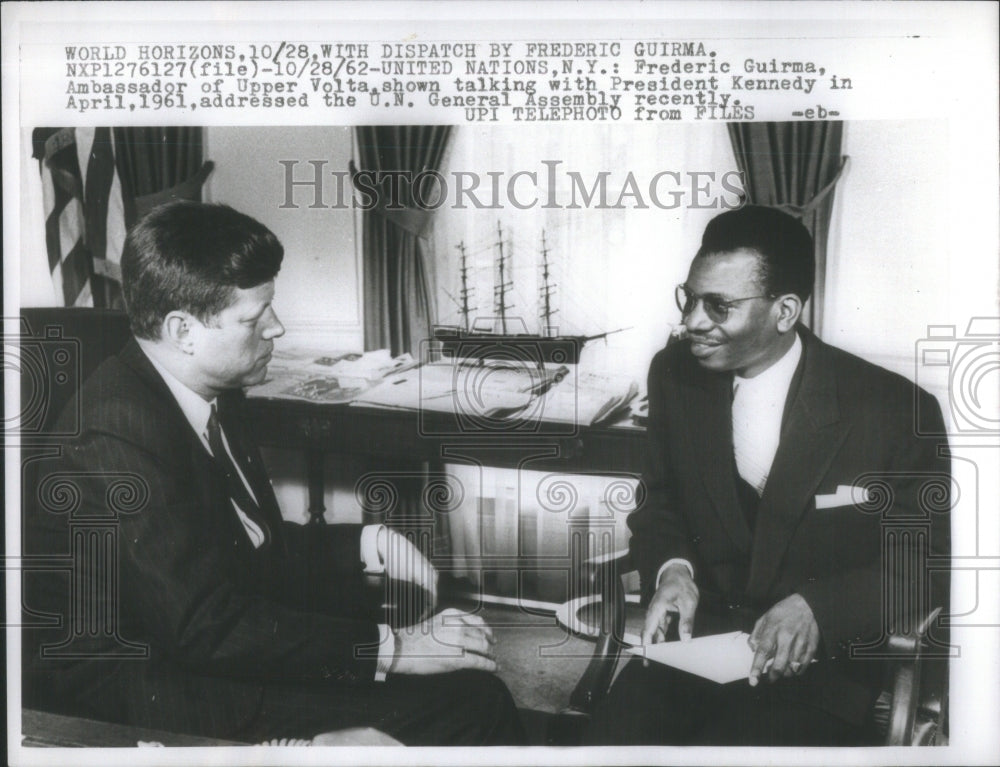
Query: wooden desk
(394,438)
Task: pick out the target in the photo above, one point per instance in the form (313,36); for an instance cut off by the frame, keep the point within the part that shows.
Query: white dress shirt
(758,404)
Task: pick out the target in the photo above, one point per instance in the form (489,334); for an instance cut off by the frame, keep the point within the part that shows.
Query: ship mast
(466,290)
(545,292)
(502,285)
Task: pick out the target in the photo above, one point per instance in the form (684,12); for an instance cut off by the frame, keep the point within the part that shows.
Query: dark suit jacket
(171,569)
(846,422)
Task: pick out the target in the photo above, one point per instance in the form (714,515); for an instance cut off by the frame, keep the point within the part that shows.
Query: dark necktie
(238,490)
(747,494)
(748,498)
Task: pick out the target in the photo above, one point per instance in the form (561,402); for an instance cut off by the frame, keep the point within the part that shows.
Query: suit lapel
(811,436)
(212,484)
(709,424)
(133,356)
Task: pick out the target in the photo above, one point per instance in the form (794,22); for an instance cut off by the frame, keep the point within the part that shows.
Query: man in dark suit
(207,613)
(777,467)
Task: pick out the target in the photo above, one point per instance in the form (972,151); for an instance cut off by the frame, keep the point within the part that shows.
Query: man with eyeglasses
(761,440)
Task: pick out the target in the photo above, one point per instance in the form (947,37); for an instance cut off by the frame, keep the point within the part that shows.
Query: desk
(395,437)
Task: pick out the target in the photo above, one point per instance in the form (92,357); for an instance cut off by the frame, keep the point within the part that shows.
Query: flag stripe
(75,271)
(62,186)
(52,228)
(116,228)
(100,173)
(70,231)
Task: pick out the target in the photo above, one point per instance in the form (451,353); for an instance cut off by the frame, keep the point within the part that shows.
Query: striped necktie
(239,489)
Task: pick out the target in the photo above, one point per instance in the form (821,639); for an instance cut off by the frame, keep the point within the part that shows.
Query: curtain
(158,165)
(154,159)
(399,300)
(97,182)
(794,166)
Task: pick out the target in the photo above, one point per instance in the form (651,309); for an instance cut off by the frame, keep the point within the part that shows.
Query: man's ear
(177,331)
(789,311)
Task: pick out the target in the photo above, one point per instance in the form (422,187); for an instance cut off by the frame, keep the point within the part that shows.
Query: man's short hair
(189,256)
(786,262)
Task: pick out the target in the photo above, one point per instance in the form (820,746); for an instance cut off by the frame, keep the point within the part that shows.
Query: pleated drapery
(399,305)
(794,166)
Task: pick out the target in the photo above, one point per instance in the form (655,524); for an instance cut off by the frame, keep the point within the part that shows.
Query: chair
(911,710)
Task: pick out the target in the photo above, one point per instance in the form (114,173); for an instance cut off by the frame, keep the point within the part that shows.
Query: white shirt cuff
(369,550)
(665,565)
(386,650)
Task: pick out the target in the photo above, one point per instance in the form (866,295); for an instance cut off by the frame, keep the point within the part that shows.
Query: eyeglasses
(716,307)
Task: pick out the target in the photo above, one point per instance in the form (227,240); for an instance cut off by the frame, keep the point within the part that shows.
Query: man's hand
(449,641)
(676,593)
(786,635)
(404,562)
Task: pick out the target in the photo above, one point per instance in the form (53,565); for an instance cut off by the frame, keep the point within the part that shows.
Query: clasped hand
(449,641)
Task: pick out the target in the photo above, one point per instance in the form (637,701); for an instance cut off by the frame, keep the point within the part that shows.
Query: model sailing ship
(493,337)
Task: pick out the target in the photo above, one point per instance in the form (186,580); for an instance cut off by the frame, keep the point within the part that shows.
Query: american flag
(85,214)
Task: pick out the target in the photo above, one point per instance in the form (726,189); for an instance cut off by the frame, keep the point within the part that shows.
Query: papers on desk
(488,390)
(500,390)
(327,377)
(589,398)
(722,658)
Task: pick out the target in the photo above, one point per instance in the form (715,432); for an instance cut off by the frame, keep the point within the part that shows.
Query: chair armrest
(603,576)
(918,698)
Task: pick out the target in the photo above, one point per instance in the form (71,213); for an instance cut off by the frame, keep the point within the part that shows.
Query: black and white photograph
(508,383)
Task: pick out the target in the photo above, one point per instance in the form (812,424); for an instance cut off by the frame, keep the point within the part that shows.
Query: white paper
(328,377)
(720,658)
(588,398)
(488,390)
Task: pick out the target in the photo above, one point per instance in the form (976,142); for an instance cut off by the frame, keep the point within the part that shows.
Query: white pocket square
(846,495)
